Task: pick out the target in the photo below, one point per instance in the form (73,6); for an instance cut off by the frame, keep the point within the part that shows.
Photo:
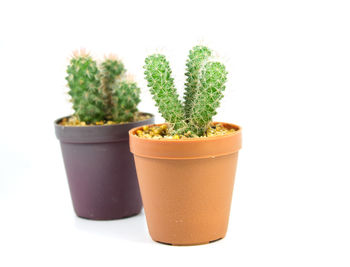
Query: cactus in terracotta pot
(101,92)
(203,91)
(186,166)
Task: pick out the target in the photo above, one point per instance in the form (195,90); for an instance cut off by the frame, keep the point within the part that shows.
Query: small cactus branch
(125,98)
(210,92)
(83,81)
(196,59)
(158,76)
(111,69)
(101,93)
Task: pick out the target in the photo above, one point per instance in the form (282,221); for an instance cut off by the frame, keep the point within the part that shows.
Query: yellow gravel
(73,121)
(162,131)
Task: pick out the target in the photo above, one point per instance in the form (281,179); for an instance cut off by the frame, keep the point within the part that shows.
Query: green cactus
(158,75)
(125,98)
(111,70)
(84,83)
(101,94)
(207,100)
(203,91)
(196,59)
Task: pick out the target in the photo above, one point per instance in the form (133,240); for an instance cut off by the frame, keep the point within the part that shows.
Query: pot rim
(191,148)
(97,133)
(193,139)
(57,121)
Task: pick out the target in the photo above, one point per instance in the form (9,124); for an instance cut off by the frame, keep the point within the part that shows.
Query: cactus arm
(210,92)
(91,107)
(82,74)
(83,81)
(161,84)
(125,98)
(196,59)
(111,69)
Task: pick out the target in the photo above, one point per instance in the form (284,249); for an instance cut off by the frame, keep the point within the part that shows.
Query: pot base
(189,244)
(108,218)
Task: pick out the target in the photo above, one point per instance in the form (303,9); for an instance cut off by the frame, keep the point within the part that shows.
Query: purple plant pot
(100,169)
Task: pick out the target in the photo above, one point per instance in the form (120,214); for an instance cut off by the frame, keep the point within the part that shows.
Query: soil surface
(162,132)
(73,121)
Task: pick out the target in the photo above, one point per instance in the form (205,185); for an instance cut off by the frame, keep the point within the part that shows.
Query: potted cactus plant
(94,140)
(186,166)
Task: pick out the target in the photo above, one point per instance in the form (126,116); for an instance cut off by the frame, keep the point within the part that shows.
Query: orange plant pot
(186,185)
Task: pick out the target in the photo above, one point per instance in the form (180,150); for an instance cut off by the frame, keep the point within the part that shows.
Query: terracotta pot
(100,169)
(186,185)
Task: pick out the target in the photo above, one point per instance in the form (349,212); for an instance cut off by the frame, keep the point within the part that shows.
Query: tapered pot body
(100,170)
(186,185)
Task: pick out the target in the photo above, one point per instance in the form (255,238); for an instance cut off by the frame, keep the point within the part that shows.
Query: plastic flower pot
(186,185)
(100,169)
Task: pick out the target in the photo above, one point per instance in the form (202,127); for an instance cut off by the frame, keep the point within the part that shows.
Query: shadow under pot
(100,169)
(186,185)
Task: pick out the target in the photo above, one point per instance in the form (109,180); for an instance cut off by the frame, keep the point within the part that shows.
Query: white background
(289,65)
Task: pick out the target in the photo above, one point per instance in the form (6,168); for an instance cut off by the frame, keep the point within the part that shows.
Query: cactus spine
(203,91)
(101,94)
